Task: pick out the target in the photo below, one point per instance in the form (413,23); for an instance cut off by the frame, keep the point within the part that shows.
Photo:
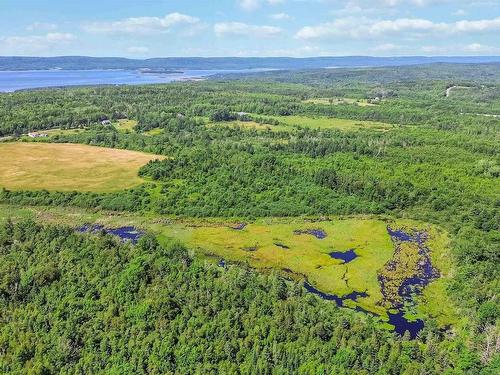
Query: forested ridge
(437,160)
(11,63)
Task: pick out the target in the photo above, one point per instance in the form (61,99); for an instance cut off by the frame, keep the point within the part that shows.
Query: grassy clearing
(332,123)
(153,132)
(250,125)
(125,125)
(54,132)
(69,167)
(340,101)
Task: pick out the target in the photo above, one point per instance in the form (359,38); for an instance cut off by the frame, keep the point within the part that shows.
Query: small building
(106,122)
(37,135)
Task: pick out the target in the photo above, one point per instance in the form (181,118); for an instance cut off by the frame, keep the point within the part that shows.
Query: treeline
(79,303)
(407,101)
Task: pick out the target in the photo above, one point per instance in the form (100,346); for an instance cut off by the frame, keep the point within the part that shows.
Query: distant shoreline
(153,71)
(27,80)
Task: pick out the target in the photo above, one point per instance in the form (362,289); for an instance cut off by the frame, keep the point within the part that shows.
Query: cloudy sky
(299,28)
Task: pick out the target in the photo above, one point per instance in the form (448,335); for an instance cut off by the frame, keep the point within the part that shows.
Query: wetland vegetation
(390,210)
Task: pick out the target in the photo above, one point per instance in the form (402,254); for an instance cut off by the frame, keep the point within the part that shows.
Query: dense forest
(437,160)
(79,304)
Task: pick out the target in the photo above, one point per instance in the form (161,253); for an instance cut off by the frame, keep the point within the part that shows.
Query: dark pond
(401,324)
(424,273)
(408,289)
(332,297)
(346,256)
(318,233)
(414,285)
(126,234)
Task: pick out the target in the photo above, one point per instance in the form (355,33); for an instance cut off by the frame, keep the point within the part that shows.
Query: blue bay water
(19,80)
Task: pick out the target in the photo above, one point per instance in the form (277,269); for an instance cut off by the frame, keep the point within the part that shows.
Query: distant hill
(453,73)
(229,63)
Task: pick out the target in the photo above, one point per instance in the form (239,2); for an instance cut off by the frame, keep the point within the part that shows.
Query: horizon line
(253,57)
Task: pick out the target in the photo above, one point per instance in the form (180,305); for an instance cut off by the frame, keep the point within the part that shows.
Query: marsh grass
(306,259)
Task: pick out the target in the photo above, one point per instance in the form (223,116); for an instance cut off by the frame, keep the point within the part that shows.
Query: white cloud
(42,26)
(281,16)
(363,27)
(251,5)
(34,43)
(478,26)
(141,25)
(242,29)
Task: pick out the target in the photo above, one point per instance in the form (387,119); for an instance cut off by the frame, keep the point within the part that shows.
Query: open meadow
(332,123)
(69,167)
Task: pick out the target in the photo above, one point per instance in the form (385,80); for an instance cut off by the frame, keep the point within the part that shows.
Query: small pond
(126,234)
(401,324)
(407,289)
(320,234)
(346,256)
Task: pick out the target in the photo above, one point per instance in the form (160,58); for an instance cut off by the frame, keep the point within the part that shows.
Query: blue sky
(298,28)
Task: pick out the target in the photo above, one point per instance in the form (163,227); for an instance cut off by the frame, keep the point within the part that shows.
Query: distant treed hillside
(84,63)
(485,73)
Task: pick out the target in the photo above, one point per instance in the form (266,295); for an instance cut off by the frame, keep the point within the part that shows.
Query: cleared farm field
(250,125)
(332,123)
(69,167)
